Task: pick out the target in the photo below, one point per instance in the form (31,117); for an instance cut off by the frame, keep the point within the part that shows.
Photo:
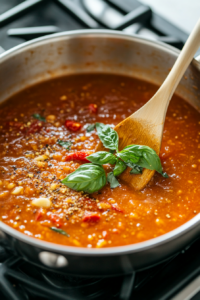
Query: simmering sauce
(33,163)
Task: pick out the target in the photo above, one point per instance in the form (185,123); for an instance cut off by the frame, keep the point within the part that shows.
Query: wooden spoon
(145,126)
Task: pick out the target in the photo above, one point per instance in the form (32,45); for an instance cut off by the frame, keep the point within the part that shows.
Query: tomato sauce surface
(33,163)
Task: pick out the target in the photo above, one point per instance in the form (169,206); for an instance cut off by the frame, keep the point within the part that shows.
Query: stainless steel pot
(97,51)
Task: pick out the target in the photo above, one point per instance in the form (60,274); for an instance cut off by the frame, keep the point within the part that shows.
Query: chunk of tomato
(72,125)
(80,155)
(36,126)
(91,217)
(93,108)
(117,208)
(39,214)
(56,220)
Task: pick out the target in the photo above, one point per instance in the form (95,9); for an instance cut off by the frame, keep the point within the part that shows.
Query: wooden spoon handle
(183,61)
(154,111)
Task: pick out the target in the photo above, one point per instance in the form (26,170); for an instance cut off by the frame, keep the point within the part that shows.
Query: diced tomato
(72,125)
(117,208)
(39,214)
(77,156)
(91,218)
(36,126)
(93,108)
(56,219)
(104,234)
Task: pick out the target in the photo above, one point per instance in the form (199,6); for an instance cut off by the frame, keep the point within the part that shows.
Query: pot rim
(71,250)
(82,33)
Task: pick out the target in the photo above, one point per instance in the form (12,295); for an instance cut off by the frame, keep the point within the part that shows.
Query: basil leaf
(136,169)
(148,158)
(108,136)
(112,151)
(58,230)
(65,144)
(88,178)
(119,168)
(91,127)
(128,157)
(137,149)
(102,158)
(130,164)
(112,180)
(38,117)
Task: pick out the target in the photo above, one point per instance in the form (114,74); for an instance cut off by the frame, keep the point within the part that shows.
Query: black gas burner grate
(24,20)
(21,280)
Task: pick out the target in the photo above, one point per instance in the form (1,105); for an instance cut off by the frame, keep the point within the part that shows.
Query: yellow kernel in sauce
(76,243)
(11,185)
(53,186)
(159,221)
(83,138)
(50,118)
(41,202)
(84,225)
(101,243)
(30,175)
(3,194)
(179,192)
(17,190)
(63,98)
(103,206)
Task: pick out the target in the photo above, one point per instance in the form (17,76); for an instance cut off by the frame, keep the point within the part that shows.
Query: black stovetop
(20,280)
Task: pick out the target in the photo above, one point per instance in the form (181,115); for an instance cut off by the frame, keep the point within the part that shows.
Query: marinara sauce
(33,162)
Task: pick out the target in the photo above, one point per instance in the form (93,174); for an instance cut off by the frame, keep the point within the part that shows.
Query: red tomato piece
(56,219)
(78,156)
(104,234)
(93,108)
(39,214)
(36,126)
(117,208)
(72,125)
(91,218)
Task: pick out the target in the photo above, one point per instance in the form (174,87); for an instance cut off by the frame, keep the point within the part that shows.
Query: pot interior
(89,51)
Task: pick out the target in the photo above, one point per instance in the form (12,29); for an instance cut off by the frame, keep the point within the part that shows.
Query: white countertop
(182,13)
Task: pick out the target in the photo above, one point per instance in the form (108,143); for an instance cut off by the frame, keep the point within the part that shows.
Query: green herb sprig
(65,144)
(91,177)
(58,230)
(38,117)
